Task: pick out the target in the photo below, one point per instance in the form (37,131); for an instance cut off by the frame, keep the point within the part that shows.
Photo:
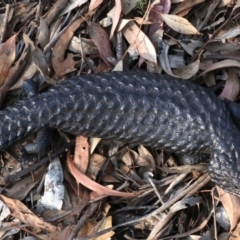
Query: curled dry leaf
(231,89)
(179,24)
(219,65)
(88,183)
(185,72)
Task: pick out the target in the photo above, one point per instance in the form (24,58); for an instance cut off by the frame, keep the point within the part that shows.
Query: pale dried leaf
(179,24)
(116,17)
(145,158)
(123,23)
(140,42)
(119,66)
(5,212)
(94,4)
(95,164)
(81,153)
(142,21)
(191,46)
(93,143)
(106,22)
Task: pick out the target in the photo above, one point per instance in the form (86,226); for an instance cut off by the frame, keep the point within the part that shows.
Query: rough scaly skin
(151,109)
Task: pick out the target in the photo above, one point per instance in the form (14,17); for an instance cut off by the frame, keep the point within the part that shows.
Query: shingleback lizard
(151,109)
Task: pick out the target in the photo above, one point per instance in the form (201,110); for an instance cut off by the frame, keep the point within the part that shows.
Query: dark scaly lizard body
(151,109)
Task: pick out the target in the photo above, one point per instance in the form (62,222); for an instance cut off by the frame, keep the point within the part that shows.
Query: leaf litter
(105,190)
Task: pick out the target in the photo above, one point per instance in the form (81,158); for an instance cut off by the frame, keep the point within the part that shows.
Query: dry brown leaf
(105,223)
(101,39)
(140,42)
(179,24)
(116,17)
(145,158)
(81,153)
(217,46)
(219,65)
(88,183)
(231,89)
(191,45)
(59,63)
(21,188)
(54,11)
(94,4)
(21,212)
(66,232)
(184,72)
(230,204)
(7,57)
(95,164)
(186,5)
